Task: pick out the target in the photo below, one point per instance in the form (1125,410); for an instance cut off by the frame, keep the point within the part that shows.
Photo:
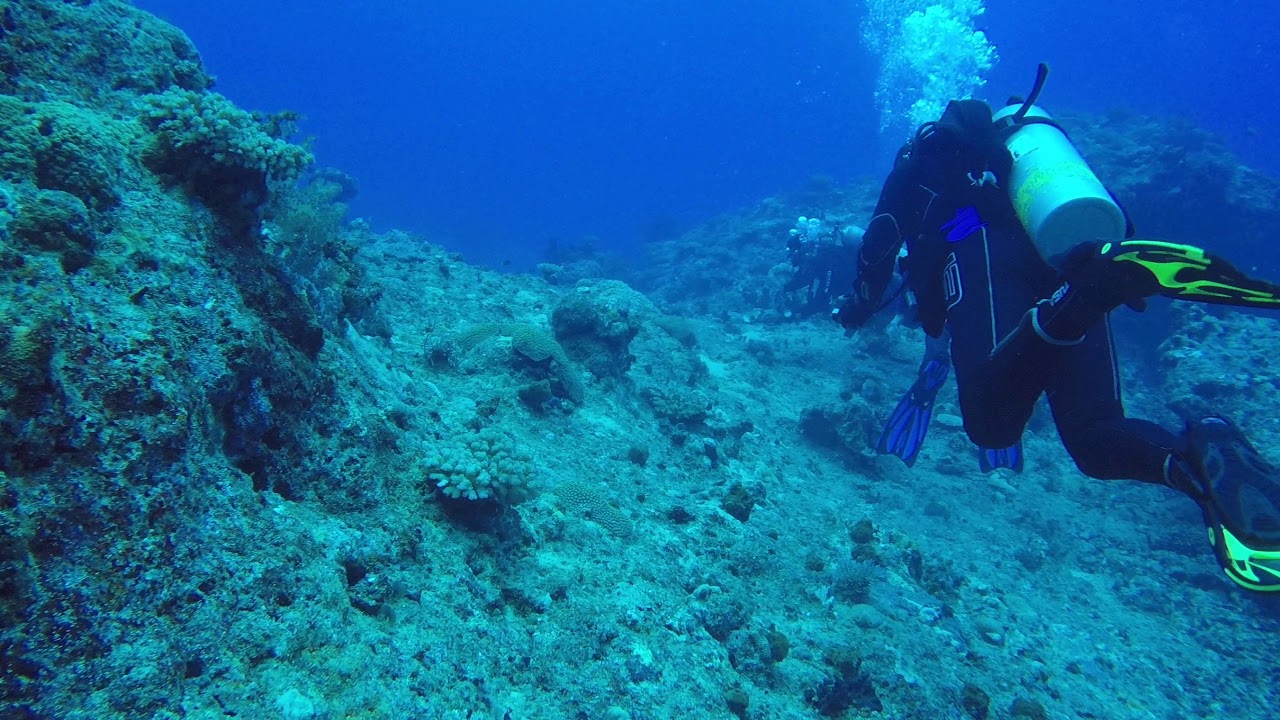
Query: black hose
(1042,74)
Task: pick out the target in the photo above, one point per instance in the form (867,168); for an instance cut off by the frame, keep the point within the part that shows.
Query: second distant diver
(1027,310)
(823,262)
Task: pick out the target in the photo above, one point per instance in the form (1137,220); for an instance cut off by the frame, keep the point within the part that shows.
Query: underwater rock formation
(240,436)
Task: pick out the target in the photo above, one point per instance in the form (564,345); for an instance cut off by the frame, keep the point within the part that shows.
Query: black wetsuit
(974,269)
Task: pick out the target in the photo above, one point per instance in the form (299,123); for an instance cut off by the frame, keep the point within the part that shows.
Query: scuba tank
(1058,198)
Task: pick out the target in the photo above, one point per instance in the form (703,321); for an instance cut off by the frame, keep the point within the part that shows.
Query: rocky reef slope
(258,461)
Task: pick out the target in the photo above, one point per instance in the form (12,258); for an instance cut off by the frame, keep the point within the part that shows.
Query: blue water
(493,127)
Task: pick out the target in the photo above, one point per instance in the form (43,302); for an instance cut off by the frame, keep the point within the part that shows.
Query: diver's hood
(966,118)
(966,129)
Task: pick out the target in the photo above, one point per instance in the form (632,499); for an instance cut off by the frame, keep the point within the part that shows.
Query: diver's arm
(881,243)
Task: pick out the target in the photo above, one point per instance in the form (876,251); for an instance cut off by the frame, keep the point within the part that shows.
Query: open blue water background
(492,127)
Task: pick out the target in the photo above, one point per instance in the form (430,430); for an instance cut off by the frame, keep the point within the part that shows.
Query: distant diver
(823,259)
(1016,249)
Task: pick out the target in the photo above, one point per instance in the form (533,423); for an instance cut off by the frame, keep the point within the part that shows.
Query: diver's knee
(990,424)
(986,434)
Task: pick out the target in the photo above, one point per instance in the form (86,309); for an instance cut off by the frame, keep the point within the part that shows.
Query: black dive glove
(854,312)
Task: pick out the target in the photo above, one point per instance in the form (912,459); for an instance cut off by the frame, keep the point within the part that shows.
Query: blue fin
(992,458)
(904,433)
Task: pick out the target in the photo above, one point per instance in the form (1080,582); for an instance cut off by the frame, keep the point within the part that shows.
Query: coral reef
(219,150)
(482,465)
(1223,361)
(257,460)
(45,54)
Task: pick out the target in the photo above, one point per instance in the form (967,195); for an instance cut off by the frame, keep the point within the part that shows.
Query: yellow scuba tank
(1055,193)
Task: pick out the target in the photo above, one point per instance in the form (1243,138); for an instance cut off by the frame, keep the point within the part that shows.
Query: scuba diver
(823,259)
(1017,249)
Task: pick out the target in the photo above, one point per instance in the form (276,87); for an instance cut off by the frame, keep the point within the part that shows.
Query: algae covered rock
(528,350)
(97,53)
(54,145)
(58,222)
(596,323)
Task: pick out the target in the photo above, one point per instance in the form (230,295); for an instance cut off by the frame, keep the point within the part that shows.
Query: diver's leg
(1084,394)
(986,296)
(996,401)
(1096,278)
(1211,462)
